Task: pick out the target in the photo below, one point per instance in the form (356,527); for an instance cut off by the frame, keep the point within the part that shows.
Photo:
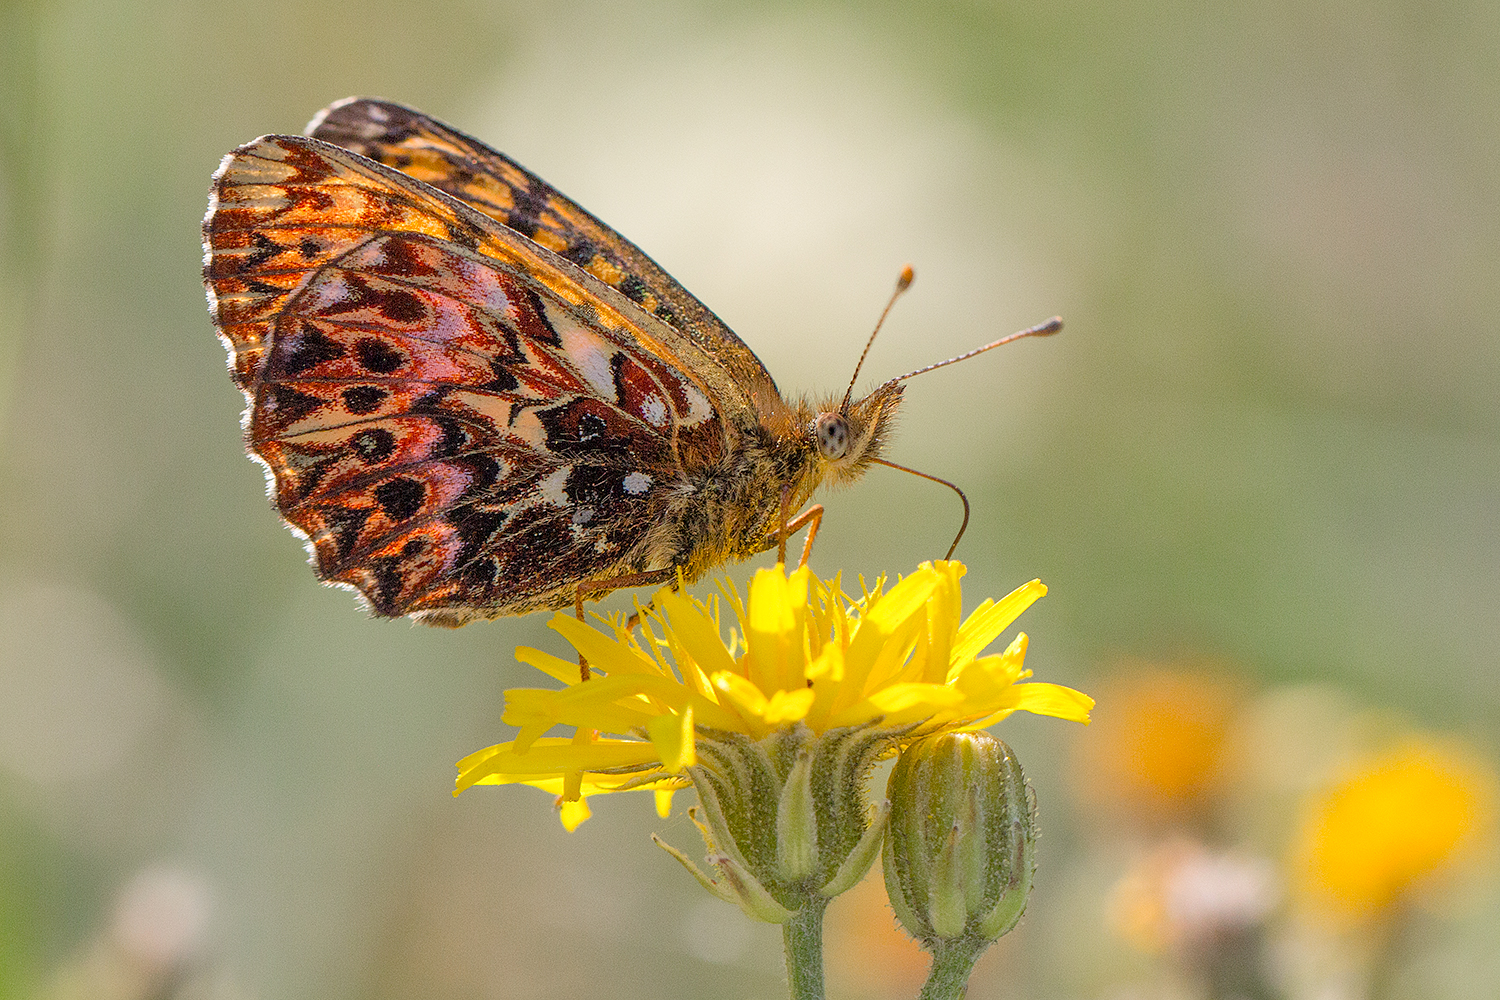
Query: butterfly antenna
(962,527)
(902,284)
(1040,330)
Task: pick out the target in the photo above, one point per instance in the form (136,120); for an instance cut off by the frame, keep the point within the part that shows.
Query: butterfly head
(849,436)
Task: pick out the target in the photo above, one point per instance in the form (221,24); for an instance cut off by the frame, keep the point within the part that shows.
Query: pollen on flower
(799,653)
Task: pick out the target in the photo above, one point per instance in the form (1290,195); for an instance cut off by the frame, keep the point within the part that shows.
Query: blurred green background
(1269,436)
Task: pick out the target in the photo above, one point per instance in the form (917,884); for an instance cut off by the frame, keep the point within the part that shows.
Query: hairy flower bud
(785,819)
(959,850)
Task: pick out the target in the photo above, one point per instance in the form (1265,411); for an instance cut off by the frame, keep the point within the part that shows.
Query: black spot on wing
(400,498)
(591,427)
(362,399)
(579,253)
(373,446)
(475,526)
(484,472)
(345,523)
(306,481)
(540,330)
(399,258)
(430,401)
(401,305)
(454,438)
(385,585)
(480,573)
(529,203)
(305,348)
(285,405)
(387,579)
(377,356)
(503,381)
(463,235)
(265,249)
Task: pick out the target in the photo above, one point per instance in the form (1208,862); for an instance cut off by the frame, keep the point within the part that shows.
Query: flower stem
(952,961)
(803,936)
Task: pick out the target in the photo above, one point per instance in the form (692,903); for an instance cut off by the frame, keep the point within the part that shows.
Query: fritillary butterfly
(473,398)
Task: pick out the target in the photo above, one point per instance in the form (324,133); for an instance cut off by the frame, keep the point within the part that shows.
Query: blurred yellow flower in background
(902,661)
(1159,753)
(1395,825)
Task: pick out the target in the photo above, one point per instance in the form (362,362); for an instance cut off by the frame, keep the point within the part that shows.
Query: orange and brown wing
(502,189)
(461,425)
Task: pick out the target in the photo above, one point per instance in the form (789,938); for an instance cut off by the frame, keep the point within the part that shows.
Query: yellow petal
(616,704)
(574,813)
(828,666)
(553,666)
(554,755)
(786,707)
(892,664)
(898,610)
(741,695)
(928,697)
(697,634)
(672,735)
(479,756)
(1042,698)
(609,654)
(984,627)
(593,784)
(605,703)
(943,612)
(776,658)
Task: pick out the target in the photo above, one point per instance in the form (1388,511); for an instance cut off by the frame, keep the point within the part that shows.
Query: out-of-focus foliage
(1268,438)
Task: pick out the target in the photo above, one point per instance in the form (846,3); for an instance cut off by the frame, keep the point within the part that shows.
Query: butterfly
(472,398)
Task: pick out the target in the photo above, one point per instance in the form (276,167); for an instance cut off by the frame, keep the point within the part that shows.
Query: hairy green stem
(803,936)
(952,961)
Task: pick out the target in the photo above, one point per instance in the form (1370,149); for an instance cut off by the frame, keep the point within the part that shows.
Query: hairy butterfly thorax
(472,398)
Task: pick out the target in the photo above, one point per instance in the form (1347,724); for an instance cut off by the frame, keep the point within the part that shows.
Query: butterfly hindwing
(461,423)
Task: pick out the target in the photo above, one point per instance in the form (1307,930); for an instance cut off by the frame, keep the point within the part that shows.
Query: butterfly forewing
(461,423)
(502,189)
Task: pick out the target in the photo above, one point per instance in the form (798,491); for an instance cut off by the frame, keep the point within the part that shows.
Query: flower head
(1394,825)
(1161,753)
(804,657)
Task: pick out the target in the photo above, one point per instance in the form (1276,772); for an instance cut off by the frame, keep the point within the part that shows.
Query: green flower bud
(786,819)
(959,853)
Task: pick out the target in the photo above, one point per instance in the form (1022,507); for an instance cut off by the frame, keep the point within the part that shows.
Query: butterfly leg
(604,586)
(811,517)
(782,531)
(583,663)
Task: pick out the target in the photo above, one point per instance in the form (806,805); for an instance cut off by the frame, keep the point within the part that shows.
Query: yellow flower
(1159,754)
(898,663)
(1395,823)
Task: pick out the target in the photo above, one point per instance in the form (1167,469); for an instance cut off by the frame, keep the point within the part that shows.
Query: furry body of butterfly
(472,398)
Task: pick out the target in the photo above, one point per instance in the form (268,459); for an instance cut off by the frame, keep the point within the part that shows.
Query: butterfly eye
(832,431)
